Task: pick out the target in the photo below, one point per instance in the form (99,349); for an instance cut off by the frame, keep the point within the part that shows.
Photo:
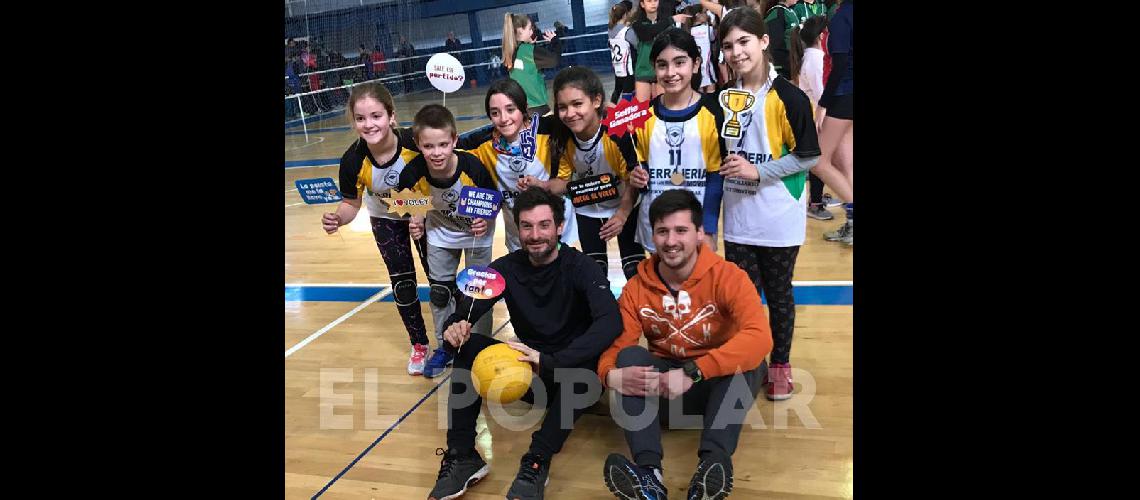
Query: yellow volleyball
(498,375)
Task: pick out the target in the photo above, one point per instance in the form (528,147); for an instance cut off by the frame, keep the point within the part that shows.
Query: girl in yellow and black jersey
(369,170)
(517,155)
(765,174)
(583,149)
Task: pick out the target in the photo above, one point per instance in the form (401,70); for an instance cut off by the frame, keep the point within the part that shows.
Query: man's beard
(541,255)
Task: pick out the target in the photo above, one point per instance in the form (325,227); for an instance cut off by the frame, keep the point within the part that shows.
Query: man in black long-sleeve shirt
(565,316)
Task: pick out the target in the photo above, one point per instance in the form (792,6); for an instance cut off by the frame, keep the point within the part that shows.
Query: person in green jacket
(649,19)
(833,5)
(781,21)
(525,61)
(805,9)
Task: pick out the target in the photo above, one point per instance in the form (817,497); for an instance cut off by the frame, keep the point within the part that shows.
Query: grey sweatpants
(443,263)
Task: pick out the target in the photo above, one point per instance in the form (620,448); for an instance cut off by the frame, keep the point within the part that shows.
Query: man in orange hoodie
(708,336)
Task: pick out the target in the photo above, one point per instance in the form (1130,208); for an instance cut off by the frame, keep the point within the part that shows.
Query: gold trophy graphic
(735,101)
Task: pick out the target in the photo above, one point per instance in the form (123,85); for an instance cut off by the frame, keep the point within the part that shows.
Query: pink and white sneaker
(778,381)
(417,360)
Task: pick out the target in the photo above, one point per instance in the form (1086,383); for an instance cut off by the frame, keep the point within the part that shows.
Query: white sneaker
(831,201)
(417,359)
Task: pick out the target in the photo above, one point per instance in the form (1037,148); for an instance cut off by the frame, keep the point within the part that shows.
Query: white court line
(295,204)
(307,144)
(290,190)
(823,283)
(374,285)
(379,295)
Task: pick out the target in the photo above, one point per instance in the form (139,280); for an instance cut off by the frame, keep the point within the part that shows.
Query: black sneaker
(531,481)
(457,471)
(713,479)
(629,481)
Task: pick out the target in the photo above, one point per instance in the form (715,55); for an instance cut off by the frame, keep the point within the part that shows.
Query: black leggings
(815,188)
(392,240)
(622,85)
(770,269)
(632,253)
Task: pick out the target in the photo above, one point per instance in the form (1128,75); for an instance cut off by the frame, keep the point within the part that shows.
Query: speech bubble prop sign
(479,282)
(409,202)
(445,72)
(593,189)
(316,191)
(478,202)
(627,115)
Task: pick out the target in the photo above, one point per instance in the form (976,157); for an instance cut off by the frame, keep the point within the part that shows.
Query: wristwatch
(692,371)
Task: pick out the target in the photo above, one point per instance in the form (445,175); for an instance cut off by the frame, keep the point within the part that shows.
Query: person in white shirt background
(807,58)
(807,65)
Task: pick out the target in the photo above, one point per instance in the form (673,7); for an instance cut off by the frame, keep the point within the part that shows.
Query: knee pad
(441,292)
(629,271)
(629,265)
(602,259)
(405,292)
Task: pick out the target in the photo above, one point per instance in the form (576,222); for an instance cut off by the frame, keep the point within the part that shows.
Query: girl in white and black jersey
(700,27)
(716,10)
(621,51)
(680,142)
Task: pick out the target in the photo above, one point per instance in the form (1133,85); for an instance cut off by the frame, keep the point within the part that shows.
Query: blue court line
(830,295)
(312,163)
(397,423)
(331,294)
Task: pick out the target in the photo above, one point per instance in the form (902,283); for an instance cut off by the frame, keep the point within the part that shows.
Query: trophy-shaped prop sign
(735,101)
